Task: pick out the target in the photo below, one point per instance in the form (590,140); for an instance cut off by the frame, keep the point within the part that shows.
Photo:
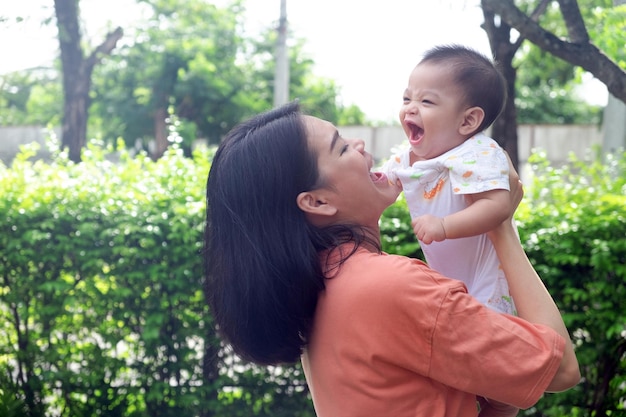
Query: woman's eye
(344,148)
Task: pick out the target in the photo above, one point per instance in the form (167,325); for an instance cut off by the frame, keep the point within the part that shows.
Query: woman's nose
(359,145)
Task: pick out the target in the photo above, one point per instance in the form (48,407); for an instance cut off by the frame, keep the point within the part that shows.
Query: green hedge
(101,303)
(102,311)
(573,228)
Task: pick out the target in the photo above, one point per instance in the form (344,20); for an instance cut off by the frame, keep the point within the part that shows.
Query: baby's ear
(472,119)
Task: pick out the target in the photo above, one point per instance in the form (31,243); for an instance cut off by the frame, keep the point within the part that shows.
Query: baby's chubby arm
(486,211)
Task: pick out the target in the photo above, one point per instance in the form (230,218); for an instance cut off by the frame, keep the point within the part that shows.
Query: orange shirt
(392,337)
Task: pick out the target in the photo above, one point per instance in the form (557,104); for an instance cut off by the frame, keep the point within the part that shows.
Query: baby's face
(432,111)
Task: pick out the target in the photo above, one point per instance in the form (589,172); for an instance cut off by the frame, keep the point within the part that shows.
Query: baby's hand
(429,229)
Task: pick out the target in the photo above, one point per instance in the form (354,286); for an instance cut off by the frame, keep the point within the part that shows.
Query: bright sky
(368,48)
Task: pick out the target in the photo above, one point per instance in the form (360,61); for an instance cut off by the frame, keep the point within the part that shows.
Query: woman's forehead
(320,132)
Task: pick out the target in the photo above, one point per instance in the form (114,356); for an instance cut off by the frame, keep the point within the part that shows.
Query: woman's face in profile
(358,195)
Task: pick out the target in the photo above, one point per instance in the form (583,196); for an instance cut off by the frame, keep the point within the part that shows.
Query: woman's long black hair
(262,257)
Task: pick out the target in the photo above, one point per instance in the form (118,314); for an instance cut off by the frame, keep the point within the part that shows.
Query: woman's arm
(532,299)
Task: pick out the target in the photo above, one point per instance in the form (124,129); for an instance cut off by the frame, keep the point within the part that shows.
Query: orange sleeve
(495,355)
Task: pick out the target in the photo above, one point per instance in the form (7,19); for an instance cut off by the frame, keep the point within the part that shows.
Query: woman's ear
(313,202)
(472,119)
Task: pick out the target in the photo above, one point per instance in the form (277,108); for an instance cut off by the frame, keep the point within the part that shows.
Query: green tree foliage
(191,60)
(181,61)
(547,91)
(30,98)
(318,95)
(188,61)
(352,116)
(560,29)
(546,86)
(606,22)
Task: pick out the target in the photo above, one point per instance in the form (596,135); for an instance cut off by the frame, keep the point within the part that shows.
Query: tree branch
(574,21)
(104,48)
(535,15)
(582,54)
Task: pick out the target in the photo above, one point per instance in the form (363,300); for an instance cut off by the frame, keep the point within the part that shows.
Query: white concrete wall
(11,138)
(556,140)
(614,125)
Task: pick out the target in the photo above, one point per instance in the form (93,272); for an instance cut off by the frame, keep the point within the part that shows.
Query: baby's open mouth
(416,133)
(376,176)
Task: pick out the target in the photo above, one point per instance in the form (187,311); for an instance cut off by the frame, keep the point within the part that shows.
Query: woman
(295,270)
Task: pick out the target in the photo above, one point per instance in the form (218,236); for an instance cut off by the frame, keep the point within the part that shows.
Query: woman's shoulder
(384,260)
(374,286)
(383,273)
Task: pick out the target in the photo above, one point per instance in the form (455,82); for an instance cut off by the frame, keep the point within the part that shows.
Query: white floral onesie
(438,186)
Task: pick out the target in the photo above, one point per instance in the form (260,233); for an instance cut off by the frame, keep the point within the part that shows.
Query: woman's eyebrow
(334,141)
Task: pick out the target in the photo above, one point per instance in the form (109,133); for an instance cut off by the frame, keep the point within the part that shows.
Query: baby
(455,178)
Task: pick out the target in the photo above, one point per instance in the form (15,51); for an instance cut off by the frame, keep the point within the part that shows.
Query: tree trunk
(77,72)
(504,129)
(499,32)
(76,105)
(74,110)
